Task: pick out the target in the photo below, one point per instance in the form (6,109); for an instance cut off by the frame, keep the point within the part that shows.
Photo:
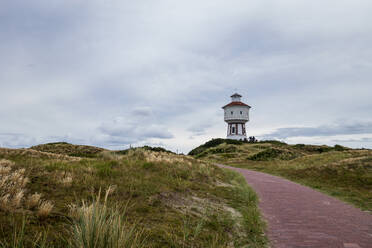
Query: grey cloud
(143,111)
(361,140)
(15,140)
(129,129)
(199,129)
(93,60)
(22,140)
(324,130)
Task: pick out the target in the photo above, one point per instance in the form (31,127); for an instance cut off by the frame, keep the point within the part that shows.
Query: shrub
(271,154)
(322,149)
(146,148)
(274,142)
(265,155)
(314,148)
(340,148)
(299,146)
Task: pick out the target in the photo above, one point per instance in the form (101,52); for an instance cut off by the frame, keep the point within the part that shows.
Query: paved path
(299,217)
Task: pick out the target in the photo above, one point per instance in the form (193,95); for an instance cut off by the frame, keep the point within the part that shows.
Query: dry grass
(13,191)
(4,163)
(12,186)
(30,153)
(64,178)
(109,155)
(33,200)
(151,156)
(44,209)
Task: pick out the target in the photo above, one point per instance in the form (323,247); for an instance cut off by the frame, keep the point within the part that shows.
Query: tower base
(236,137)
(236,130)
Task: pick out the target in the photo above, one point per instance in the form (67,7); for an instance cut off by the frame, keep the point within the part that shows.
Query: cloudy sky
(115,73)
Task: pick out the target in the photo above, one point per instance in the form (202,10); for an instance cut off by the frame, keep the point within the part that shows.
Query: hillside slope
(48,200)
(69,149)
(341,172)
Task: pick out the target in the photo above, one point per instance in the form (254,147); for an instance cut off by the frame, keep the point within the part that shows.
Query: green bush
(315,149)
(274,142)
(148,148)
(214,143)
(268,154)
(339,148)
(271,154)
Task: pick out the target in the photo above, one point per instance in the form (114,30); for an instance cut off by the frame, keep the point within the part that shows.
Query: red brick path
(300,217)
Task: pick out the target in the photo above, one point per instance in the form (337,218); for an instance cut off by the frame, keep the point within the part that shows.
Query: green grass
(338,171)
(171,200)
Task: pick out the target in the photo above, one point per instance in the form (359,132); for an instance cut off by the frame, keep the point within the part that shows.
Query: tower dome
(236,114)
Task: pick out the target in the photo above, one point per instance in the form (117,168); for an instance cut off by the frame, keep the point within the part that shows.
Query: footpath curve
(298,216)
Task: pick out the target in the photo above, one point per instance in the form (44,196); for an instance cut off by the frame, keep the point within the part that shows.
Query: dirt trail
(299,217)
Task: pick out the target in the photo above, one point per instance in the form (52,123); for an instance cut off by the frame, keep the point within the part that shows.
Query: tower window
(241,112)
(232,112)
(233,130)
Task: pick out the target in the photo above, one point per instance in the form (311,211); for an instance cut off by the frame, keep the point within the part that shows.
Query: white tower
(236,115)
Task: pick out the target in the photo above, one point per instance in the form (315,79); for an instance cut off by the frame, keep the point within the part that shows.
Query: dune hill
(69,149)
(63,195)
(339,171)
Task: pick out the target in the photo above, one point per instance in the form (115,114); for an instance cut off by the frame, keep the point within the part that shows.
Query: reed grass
(98,226)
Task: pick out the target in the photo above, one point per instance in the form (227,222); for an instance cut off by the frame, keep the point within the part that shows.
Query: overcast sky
(115,73)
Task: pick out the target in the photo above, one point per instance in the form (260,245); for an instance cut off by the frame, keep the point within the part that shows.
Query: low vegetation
(147,148)
(339,171)
(69,149)
(213,143)
(141,198)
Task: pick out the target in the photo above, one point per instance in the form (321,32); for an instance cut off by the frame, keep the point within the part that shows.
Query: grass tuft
(44,209)
(33,200)
(97,226)
(12,185)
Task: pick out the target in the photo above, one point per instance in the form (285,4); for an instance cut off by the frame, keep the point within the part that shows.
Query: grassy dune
(69,149)
(61,195)
(338,171)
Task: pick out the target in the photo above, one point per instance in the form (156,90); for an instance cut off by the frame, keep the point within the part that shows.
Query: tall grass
(18,239)
(97,226)
(12,186)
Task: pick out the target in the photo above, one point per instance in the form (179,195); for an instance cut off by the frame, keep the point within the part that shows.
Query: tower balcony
(236,120)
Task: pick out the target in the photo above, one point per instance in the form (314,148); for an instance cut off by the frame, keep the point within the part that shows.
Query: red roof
(236,104)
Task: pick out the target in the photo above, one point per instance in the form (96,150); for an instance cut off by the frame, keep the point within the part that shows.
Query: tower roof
(236,104)
(236,95)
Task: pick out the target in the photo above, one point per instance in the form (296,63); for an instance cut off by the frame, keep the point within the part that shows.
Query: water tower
(236,115)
